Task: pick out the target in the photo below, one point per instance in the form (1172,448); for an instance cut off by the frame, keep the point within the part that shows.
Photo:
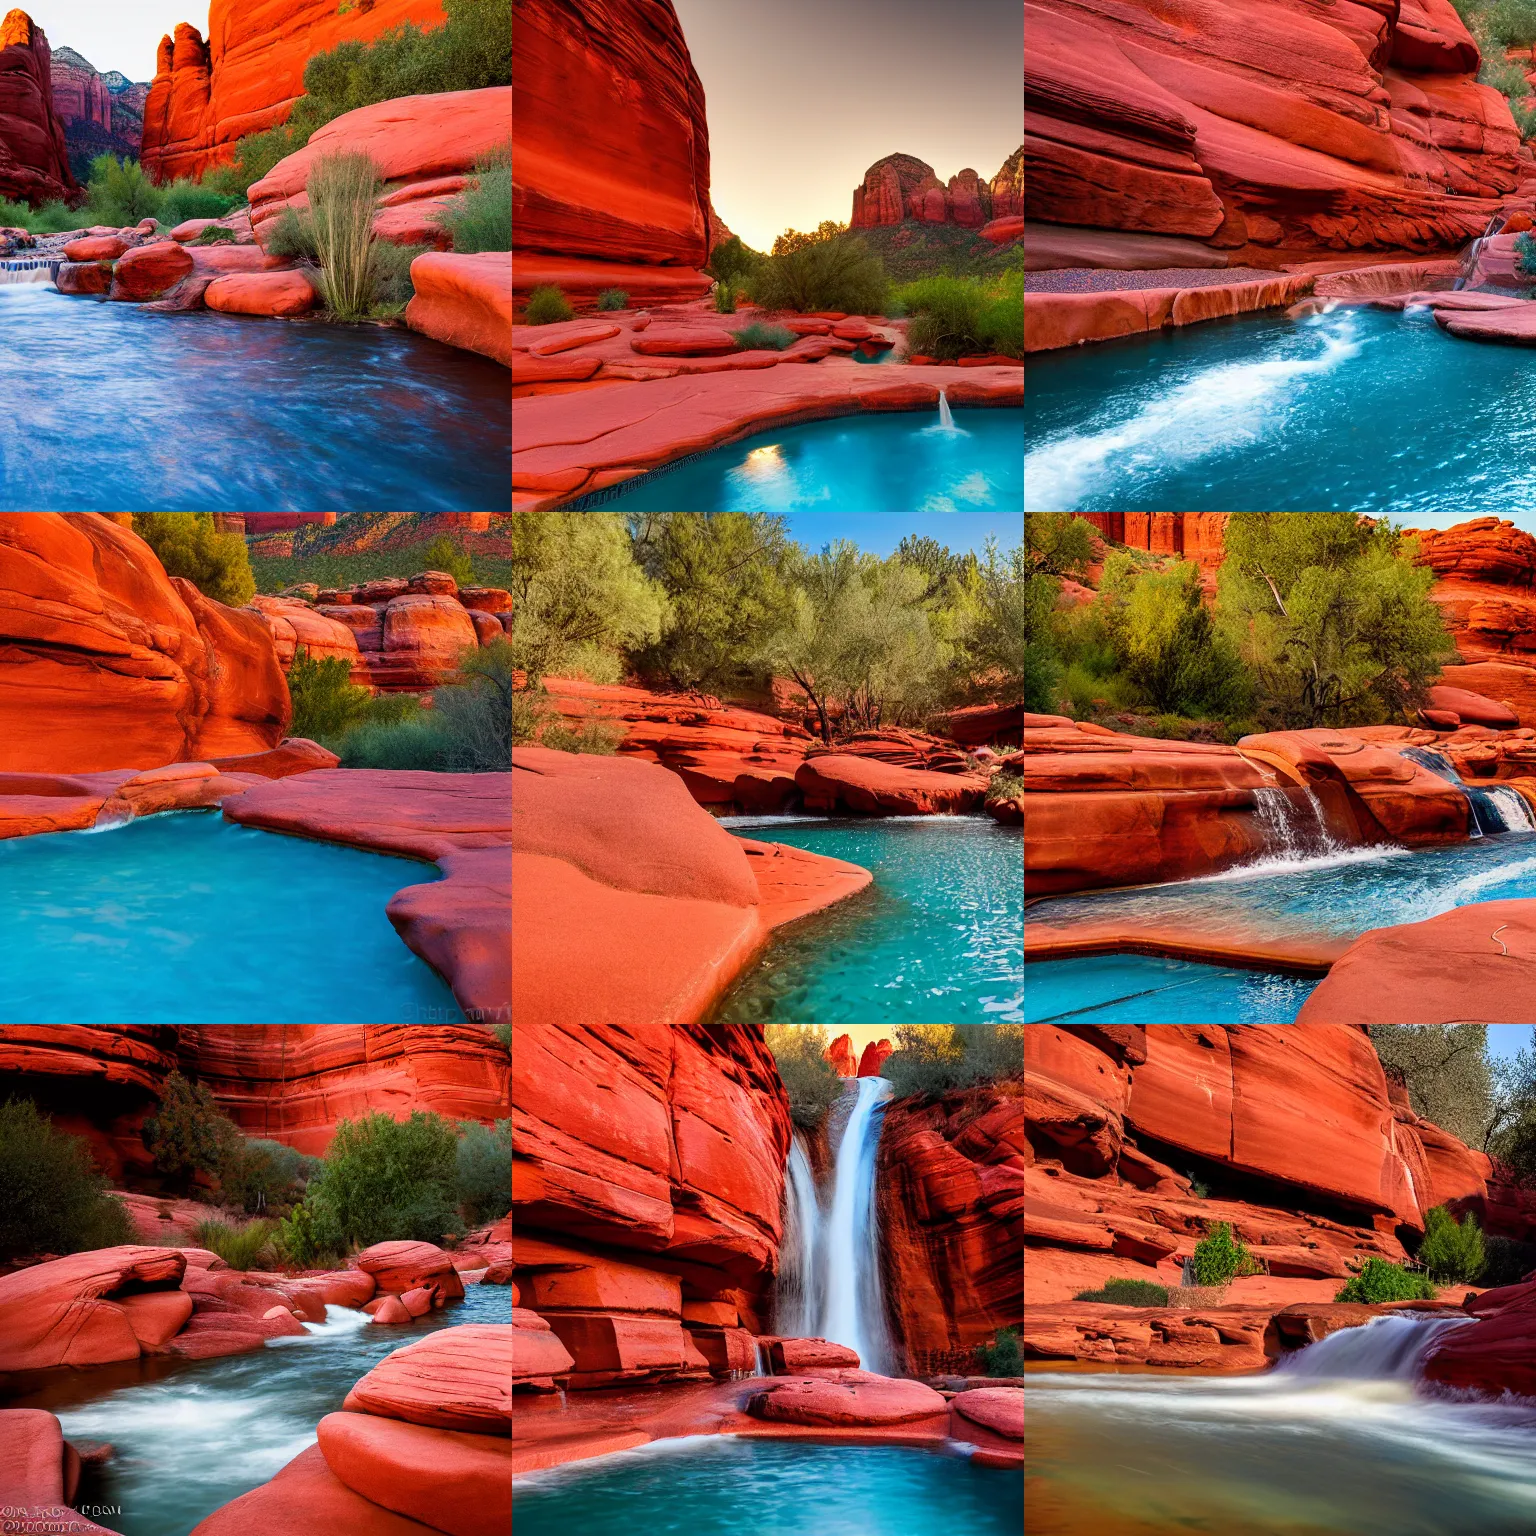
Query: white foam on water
(650,1451)
(1284,864)
(1468,886)
(339,1322)
(1219,407)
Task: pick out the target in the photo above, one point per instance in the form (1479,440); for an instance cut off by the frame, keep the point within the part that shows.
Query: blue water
(110,406)
(1143,989)
(727,1487)
(190,1435)
(889,461)
(879,355)
(938,937)
(1343,411)
(191,919)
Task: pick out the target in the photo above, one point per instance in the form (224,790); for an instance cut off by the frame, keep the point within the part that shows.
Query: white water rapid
(1292,833)
(28,269)
(801,1291)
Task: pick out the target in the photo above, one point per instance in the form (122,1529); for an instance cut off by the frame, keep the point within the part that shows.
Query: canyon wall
(34,160)
(902,187)
(647,1184)
(610,185)
(1267,129)
(1196,536)
(247,75)
(102,114)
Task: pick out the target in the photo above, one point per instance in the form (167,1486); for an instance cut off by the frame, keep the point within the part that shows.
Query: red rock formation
(277,522)
(978,724)
(101,113)
(840,1055)
(1497,1353)
(902,187)
(34,162)
(874,1057)
(1265,133)
(1197,536)
(465,301)
(869,1399)
(249,73)
(611,181)
(869,787)
(951,1198)
(111,664)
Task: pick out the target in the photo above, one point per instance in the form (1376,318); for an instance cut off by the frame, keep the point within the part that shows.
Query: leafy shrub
(1380,1281)
(415,744)
(392,285)
(480,217)
(241,1247)
(612,299)
(1506,1261)
(1452,1252)
(215,234)
(1005,786)
(503,1032)
(1128,1293)
(764,338)
(930,1058)
(187,200)
(811,1081)
(547,306)
(840,274)
(965,317)
(725,299)
(343,194)
(325,702)
(1220,1258)
(732,259)
(445,553)
(384,1180)
(52,218)
(485,1170)
(299,1242)
(260,1175)
(120,193)
(474,713)
(52,1199)
(187,1134)
(1004,1356)
(292,235)
(1525,252)
(188,544)
(797,240)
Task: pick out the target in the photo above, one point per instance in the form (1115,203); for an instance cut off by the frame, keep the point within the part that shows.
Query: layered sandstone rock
(248,74)
(465,301)
(1197,536)
(1262,131)
(112,664)
(1497,1353)
(902,187)
(34,161)
(611,185)
(868,1399)
(951,1192)
(840,1056)
(101,113)
(868,787)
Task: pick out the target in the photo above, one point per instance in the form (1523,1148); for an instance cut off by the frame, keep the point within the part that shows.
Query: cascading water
(1384,1349)
(946,416)
(801,1293)
(1291,833)
(29,269)
(1473,253)
(1496,808)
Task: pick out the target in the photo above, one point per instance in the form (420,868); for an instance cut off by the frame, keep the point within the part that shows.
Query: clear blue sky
(1506,1039)
(881,532)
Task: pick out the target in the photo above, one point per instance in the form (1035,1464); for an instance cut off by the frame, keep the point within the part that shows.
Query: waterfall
(1494,809)
(801,1294)
(28,269)
(1291,833)
(946,416)
(1513,808)
(855,1308)
(1385,1349)
(1474,251)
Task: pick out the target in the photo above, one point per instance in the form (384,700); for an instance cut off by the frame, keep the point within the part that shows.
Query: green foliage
(1004,786)
(503,1032)
(1057,543)
(120,193)
(936,562)
(1220,1258)
(1127,1293)
(188,544)
(480,217)
(292,234)
(343,191)
(1525,252)
(484,1170)
(415,744)
(325,702)
(724,298)
(1004,1356)
(214,234)
(259,1176)
(474,712)
(52,218)
(932,1058)
(994,615)
(1041,670)
(732,260)
(1380,1281)
(912,250)
(764,338)
(811,1081)
(187,1134)
(829,274)
(186,199)
(1173,652)
(391,271)
(612,299)
(1451,1251)
(547,306)
(241,1247)
(1446,1070)
(793,240)
(52,1199)
(535,721)
(278,573)
(384,1180)
(965,317)
(1507,1261)
(302,1244)
(445,553)
(1330,616)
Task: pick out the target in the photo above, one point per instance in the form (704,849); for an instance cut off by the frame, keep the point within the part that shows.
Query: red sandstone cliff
(902,187)
(1193,536)
(610,169)
(247,75)
(101,113)
(34,163)
(1263,128)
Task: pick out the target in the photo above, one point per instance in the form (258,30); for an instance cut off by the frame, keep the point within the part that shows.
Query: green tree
(1173,651)
(1220,1258)
(732,260)
(938,563)
(1057,543)
(325,703)
(933,1058)
(52,1199)
(188,544)
(1446,1069)
(724,574)
(1002,611)
(485,1170)
(120,192)
(828,274)
(445,553)
(187,1134)
(1452,1251)
(263,1177)
(795,240)
(1040,667)
(811,1081)
(1331,617)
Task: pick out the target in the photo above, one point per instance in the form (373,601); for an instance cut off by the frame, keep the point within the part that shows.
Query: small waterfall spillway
(1473,253)
(28,269)
(946,416)
(829,1270)
(1294,833)
(1494,807)
(1385,1349)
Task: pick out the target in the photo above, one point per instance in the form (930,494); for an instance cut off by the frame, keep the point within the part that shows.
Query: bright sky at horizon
(113,34)
(803,96)
(881,532)
(1526,520)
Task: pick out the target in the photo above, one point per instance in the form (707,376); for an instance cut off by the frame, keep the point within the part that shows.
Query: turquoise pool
(889,461)
(1343,411)
(188,918)
(938,937)
(1143,989)
(725,1487)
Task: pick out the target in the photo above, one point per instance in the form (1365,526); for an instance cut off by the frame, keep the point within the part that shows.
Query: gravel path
(1102,280)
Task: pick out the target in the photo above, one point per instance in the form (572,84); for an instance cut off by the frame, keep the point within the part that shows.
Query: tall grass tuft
(240,1247)
(343,194)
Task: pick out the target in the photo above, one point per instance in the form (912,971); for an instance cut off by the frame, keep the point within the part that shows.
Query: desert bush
(215,234)
(242,1247)
(299,1244)
(52,218)
(188,200)
(52,1199)
(474,713)
(445,553)
(1452,1251)
(259,1175)
(1127,1293)
(415,744)
(503,1032)
(292,235)
(188,544)
(811,1081)
(1220,1258)
(1005,786)
(547,306)
(612,300)
(187,1134)
(325,702)
(1506,1261)
(724,298)
(484,1170)
(799,240)
(480,217)
(343,194)
(837,274)
(392,285)
(764,338)
(965,317)
(930,1058)
(732,259)
(120,193)
(1380,1281)
(1004,1356)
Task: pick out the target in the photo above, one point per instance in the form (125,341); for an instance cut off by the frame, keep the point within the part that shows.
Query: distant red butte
(280,522)
(902,187)
(1197,536)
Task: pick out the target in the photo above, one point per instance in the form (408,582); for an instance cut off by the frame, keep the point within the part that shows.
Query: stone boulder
(458,1378)
(148,271)
(791,1355)
(272,294)
(464,300)
(405,1266)
(837,781)
(1000,1409)
(860,1399)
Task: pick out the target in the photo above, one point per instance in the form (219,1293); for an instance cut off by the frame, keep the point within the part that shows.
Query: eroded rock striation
(101,113)
(34,160)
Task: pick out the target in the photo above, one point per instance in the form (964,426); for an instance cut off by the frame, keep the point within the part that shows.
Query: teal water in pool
(937,938)
(727,1486)
(891,461)
(192,919)
(190,1435)
(1145,989)
(1343,411)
